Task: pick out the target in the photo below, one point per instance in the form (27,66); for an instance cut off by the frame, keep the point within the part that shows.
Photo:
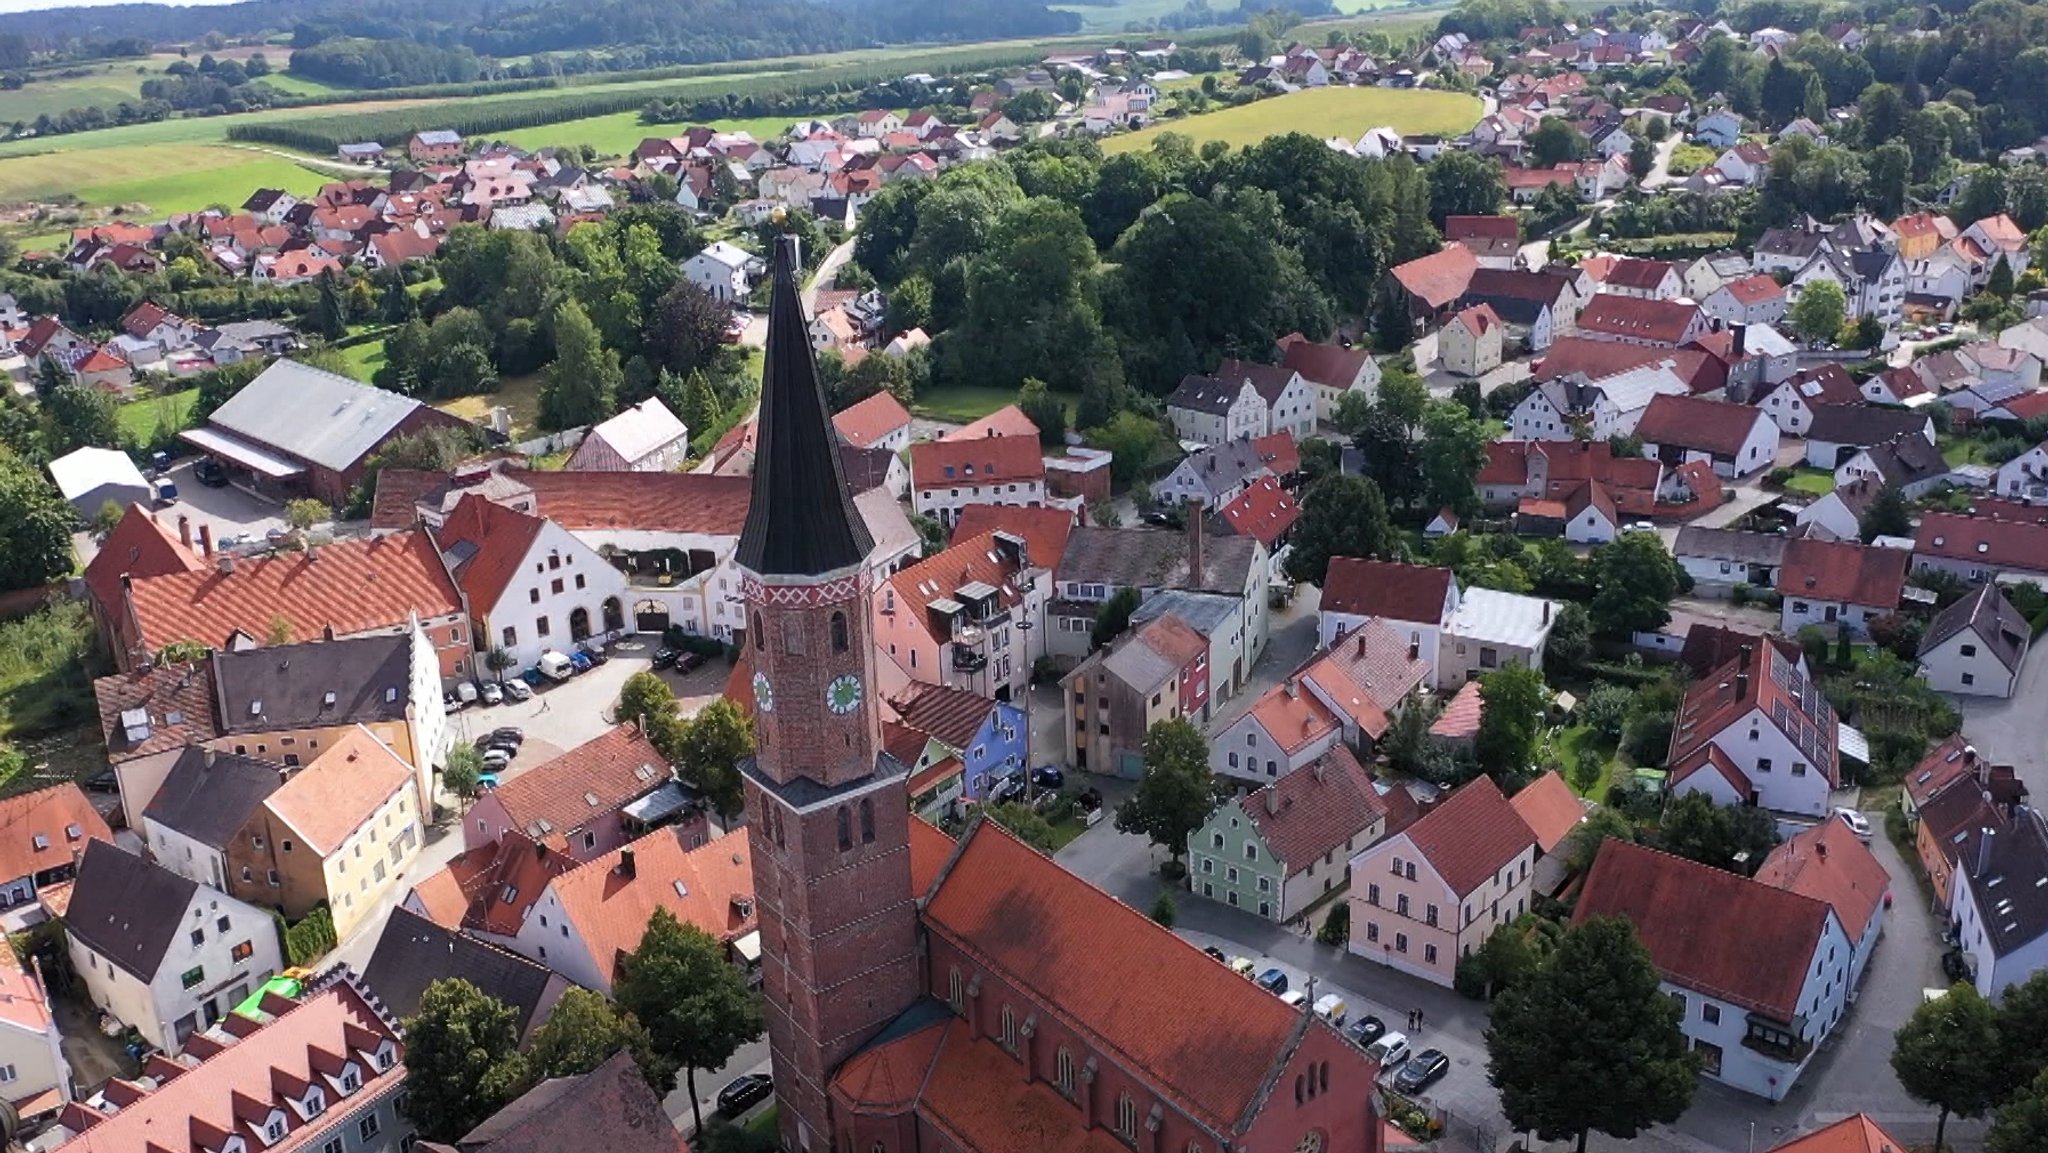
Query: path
(338,167)
(755,335)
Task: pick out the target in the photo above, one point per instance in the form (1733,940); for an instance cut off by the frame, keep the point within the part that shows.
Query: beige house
(1157,672)
(34,1077)
(1431,894)
(342,830)
(1469,344)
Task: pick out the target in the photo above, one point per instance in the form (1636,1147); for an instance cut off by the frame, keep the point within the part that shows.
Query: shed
(90,477)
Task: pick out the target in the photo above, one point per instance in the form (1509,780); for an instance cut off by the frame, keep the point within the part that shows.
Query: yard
(967,403)
(520,394)
(47,662)
(364,359)
(1811,483)
(141,418)
(1565,743)
(1320,112)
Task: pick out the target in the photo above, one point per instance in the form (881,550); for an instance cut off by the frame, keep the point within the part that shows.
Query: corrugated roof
(313,414)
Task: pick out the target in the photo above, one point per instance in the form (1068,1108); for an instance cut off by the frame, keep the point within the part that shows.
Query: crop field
(1319,112)
(108,83)
(617,133)
(166,178)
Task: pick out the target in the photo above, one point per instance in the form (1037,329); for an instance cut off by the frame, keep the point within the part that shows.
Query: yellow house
(1470,344)
(342,830)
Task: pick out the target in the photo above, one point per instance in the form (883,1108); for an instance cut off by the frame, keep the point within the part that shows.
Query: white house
(948,475)
(160,953)
(2001,923)
(31,1056)
(1839,584)
(2024,477)
(1347,694)
(1215,410)
(1744,163)
(1791,402)
(1457,633)
(646,437)
(1976,646)
(1757,730)
(1735,439)
(1289,401)
(1752,299)
(1606,407)
(1718,129)
(532,586)
(724,270)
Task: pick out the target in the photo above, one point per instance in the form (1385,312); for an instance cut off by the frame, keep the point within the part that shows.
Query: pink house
(588,801)
(1427,896)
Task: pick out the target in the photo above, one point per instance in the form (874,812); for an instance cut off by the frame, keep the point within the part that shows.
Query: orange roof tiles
(1471,836)
(974,1096)
(1394,591)
(1477,319)
(1045,530)
(1854,1134)
(867,423)
(1843,571)
(490,887)
(559,796)
(1330,365)
(487,543)
(340,790)
(1643,275)
(1206,1037)
(1829,864)
(47,829)
(1548,807)
(1292,717)
(1315,809)
(988,460)
(1366,674)
(702,886)
(664,501)
(1008,420)
(1660,321)
(1710,426)
(140,546)
(1460,719)
(1263,511)
(1440,277)
(930,849)
(349,586)
(22,1002)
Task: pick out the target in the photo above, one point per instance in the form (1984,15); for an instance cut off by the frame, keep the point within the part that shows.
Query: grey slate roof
(287,686)
(1864,424)
(2011,889)
(1991,616)
(126,909)
(1730,544)
(1205,394)
(1203,612)
(208,796)
(1154,559)
(1907,459)
(314,415)
(415,952)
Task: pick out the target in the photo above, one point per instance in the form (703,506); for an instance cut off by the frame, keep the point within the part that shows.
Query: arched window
(760,637)
(1300,1089)
(1126,1117)
(845,828)
(867,822)
(775,815)
(793,637)
(1063,1071)
(1323,1075)
(880,1148)
(838,632)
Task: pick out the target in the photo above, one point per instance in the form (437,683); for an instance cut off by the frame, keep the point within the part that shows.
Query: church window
(953,991)
(760,637)
(1300,1088)
(1323,1076)
(1127,1118)
(838,632)
(1063,1071)
(845,829)
(1009,1030)
(867,822)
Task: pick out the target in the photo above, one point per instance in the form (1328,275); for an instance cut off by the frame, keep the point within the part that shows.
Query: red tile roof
(1008,420)
(1330,365)
(1661,321)
(1548,807)
(1830,865)
(663,501)
(1366,675)
(989,460)
(1387,589)
(1708,930)
(871,421)
(1045,530)
(1471,836)
(1710,759)
(1476,320)
(704,886)
(1459,721)
(491,887)
(1765,679)
(1279,453)
(340,790)
(587,783)
(349,586)
(1440,277)
(1315,810)
(1709,426)
(1206,1037)
(1844,571)
(487,545)
(1599,359)
(1482,227)
(1984,542)
(974,558)
(1855,1134)
(1944,764)
(47,829)
(140,546)
(1642,275)
(1754,290)
(1263,511)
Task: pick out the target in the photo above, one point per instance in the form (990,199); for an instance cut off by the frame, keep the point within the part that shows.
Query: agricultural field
(1319,112)
(146,182)
(618,133)
(109,82)
(1113,16)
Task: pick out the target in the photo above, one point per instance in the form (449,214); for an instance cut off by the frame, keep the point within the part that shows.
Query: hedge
(311,937)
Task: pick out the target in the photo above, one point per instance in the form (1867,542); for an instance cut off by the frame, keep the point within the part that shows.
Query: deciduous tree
(1732,838)
(583,383)
(1636,579)
(1946,1055)
(461,1059)
(581,1033)
(714,743)
(693,1002)
(1513,701)
(1340,516)
(1176,793)
(1819,311)
(35,526)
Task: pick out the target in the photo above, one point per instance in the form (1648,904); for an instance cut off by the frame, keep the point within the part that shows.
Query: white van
(1330,1007)
(556,666)
(1390,1050)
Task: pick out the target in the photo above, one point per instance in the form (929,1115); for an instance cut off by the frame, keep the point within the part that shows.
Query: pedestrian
(1418,1019)
(1411,1020)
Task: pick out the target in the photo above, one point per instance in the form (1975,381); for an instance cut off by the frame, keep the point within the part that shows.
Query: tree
(1819,311)
(1554,141)
(79,415)
(2000,285)
(1114,617)
(1642,157)
(1636,579)
(1582,846)
(694,1004)
(581,1033)
(583,383)
(1176,793)
(304,513)
(461,1059)
(105,521)
(330,310)
(2022,1122)
(464,772)
(1512,702)
(35,526)
(1571,640)
(1946,1055)
(1590,1041)
(501,660)
(1393,325)
(1025,824)
(1464,184)
(1164,911)
(395,305)
(1888,514)
(1453,452)
(714,743)
(1045,411)
(1732,838)
(1130,439)
(1340,516)
(689,328)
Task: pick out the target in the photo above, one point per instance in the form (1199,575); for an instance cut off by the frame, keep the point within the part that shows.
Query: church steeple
(801,521)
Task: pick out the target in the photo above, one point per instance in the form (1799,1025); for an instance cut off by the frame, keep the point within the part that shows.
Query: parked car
(1007,787)
(452,703)
(1364,1031)
(492,694)
(487,781)
(511,735)
(1390,1050)
(594,649)
(1212,950)
(582,661)
(744,1092)
(1048,777)
(1273,981)
(665,658)
(531,678)
(466,692)
(518,690)
(1422,1070)
(210,474)
(1945,328)
(1242,966)
(1857,822)
(555,667)
(496,758)
(105,781)
(687,661)
(1330,1007)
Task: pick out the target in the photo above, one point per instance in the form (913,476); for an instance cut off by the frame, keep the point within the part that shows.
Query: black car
(1215,952)
(103,781)
(688,662)
(1364,1031)
(744,1092)
(1955,966)
(210,474)
(597,655)
(509,735)
(664,658)
(1422,1070)
(1048,777)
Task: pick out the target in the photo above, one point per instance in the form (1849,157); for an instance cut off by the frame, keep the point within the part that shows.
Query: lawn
(110,82)
(159,179)
(520,394)
(141,418)
(1811,483)
(617,134)
(364,359)
(45,673)
(968,403)
(1320,112)
(1567,743)
(1962,450)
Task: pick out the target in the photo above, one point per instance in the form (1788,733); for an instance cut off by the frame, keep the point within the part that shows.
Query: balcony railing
(969,660)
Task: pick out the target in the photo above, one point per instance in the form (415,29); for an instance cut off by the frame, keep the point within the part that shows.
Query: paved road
(755,334)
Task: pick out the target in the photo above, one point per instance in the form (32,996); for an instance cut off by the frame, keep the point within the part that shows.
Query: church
(927,995)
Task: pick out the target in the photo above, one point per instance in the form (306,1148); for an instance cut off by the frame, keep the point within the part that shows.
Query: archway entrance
(614,615)
(579,623)
(650,617)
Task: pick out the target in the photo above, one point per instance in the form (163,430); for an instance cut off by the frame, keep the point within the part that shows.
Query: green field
(141,418)
(110,82)
(364,359)
(619,133)
(1320,112)
(160,179)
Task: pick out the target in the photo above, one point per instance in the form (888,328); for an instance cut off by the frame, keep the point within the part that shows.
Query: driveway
(2010,731)
(227,513)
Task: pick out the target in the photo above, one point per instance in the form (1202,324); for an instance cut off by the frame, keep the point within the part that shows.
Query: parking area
(229,512)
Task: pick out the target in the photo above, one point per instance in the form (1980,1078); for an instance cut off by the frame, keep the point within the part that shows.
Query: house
(1999,904)
(39,1081)
(724,270)
(1435,891)
(1719,128)
(1099,562)
(1519,472)
(1266,511)
(956,617)
(589,800)
(1955,814)
(609,1108)
(45,831)
(1745,163)
(1735,439)
(1457,633)
(1347,694)
(196,815)
(587,918)
(158,952)
(1537,308)
(302,431)
(413,952)
(1494,241)
(1158,671)
(1719,559)
(947,476)
(1758,731)
(646,437)
(1212,411)
(1839,585)
(2024,478)
(1976,646)
(990,738)
(435,146)
(270,205)
(1763,969)
(531,585)
(139,546)
(1906,462)
(1900,387)
(1215,475)
(1431,283)
(92,477)
(1839,514)
(325,1071)
(1008,420)
(1705,275)
(1288,402)
(1753,299)
(1287,847)
(1632,320)
(880,421)
(1470,343)
(1569,408)
(1792,401)
(1981,548)
(1644,279)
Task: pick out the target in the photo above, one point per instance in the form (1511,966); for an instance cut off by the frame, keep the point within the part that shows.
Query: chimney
(1272,802)
(1317,768)
(1361,642)
(1741,685)
(1414,650)
(626,863)
(1985,836)
(227,562)
(1820,849)
(1195,543)
(127,581)
(1293,688)
(540,851)
(1546,612)
(206,540)
(1741,332)
(1743,657)
(185,530)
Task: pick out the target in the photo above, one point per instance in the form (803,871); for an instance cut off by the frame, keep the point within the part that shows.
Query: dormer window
(274,1132)
(316,1103)
(350,1080)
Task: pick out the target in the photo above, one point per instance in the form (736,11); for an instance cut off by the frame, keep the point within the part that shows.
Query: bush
(1173,870)
(1336,930)
(306,941)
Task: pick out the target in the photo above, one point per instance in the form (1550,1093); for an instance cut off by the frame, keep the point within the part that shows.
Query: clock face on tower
(843,695)
(764,693)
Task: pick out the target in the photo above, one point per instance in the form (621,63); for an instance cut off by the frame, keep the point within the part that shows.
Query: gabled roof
(1707,930)
(139,546)
(1144,558)
(641,429)
(1477,320)
(209,795)
(1440,277)
(1991,617)
(609,1108)
(1206,394)
(1548,807)
(1865,424)
(585,784)
(1769,679)
(680,502)
(1314,810)
(1044,530)
(871,420)
(1263,511)
(1365,676)
(313,414)
(989,460)
(1386,589)
(1853,1134)
(1754,290)
(1472,836)
(1270,381)
(1659,321)
(413,952)
(156,709)
(1153,652)
(954,716)
(1641,275)
(1983,541)
(609,902)
(360,680)
(486,544)
(46,829)
(2010,886)
(340,791)
(1827,862)
(491,887)
(1844,571)
(1008,420)
(1709,426)
(126,909)
(1330,365)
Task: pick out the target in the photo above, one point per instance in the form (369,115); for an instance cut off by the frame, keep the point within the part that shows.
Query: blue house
(990,737)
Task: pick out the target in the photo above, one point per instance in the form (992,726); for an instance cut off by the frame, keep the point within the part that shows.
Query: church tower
(828,812)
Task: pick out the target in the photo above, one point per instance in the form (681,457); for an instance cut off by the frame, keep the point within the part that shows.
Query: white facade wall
(1789,784)
(1964,664)
(1797,612)
(1823,1001)
(157,1007)
(944,501)
(1247,752)
(1995,974)
(558,575)
(550,938)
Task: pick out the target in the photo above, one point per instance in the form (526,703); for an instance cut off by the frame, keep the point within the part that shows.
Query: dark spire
(801,521)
